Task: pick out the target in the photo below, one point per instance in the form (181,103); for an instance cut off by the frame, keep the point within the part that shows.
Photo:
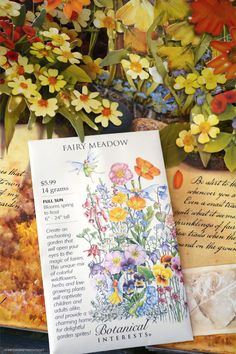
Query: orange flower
(136,203)
(211,15)
(226,62)
(166,259)
(145,169)
(70,6)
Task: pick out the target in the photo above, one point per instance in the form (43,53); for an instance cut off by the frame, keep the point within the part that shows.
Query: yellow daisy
(3,58)
(43,107)
(109,112)
(189,83)
(65,55)
(53,80)
(210,79)
(103,20)
(135,67)
(186,140)
(22,86)
(9,8)
(58,39)
(92,67)
(21,67)
(41,51)
(85,100)
(205,128)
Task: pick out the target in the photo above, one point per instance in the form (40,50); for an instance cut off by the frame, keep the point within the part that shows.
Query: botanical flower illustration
(135,269)
(205,127)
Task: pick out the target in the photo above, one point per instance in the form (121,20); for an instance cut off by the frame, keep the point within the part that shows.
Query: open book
(110,263)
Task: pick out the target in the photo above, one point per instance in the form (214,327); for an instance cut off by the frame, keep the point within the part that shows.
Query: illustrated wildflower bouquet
(172,60)
(134,264)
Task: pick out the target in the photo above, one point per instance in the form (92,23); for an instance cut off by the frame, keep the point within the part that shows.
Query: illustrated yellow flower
(3,58)
(103,20)
(81,19)
(108,112)
(58,39)
(43,107)
(135,66)
(41,51)
(65,55)
(136,203)
(117,214)
(186,140)
(86,100)
(119,198)
(52,79)
(189,83)
(162,274)
(22,86)
(184,32)
(172,9)
(92,67)
(139,13)
(205,128)
(210,79)
(178,57)
(21,67)
(9,8)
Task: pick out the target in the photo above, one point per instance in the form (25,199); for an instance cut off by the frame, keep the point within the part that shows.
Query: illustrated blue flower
(165,247)
(144,223)
(162,192)
(139,281)
(129,265)
(128,287)
(199,97)
(179,72)
(154,256)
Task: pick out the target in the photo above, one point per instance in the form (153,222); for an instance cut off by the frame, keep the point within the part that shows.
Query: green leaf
(202,47)
(32,120)
(4,88)
(104,3)
(205,157)
(46,119)
(146,272)
(75,74)
(161,216)
(194,111)
(218,144)
(187,103)
(87,120)
(39,21)
(228,114)
(3,103)
(173,155)
(15,106)
(230,158)
(50,128)
(20,20)
(74,120)
(114,57)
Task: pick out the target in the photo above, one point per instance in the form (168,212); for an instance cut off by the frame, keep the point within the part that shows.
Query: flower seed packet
(109,255)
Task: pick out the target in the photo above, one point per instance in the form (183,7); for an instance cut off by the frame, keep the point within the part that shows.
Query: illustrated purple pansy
(175,265)
(129,265)
(120,173)
(136,253)
(113,262)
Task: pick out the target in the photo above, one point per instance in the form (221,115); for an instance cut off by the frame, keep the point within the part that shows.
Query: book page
(110,264)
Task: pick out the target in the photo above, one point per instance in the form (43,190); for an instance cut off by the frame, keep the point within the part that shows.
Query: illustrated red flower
(221,101)
(93,251)
(219,104)
(10,35)
(146,169)
(225,63)
(212,15)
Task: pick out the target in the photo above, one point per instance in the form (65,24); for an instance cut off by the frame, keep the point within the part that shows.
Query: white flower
(65,55)
(156,76)
(58,39)
(20,67)
(135,67)
(9,8)
(85,100)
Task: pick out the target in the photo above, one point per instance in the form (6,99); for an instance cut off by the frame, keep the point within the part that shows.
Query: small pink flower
(120,173)
(113,262)
(175,297)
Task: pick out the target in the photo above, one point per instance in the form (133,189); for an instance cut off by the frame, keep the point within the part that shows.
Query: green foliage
(218,144)
(74,120)
(74,74)
(20,20)
(230,157)
(173,155)
(114,57)
(39,21)
(104,3)
(228,114)
(146,272)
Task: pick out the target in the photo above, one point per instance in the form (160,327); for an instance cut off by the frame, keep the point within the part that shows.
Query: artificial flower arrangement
(173,60)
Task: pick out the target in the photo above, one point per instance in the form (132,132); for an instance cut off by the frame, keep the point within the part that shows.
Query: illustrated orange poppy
(212,15)
(225,63)
(146,169)
(70,6)
(136,203)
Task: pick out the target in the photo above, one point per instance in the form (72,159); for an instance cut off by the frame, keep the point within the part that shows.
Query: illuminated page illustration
(110,263)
